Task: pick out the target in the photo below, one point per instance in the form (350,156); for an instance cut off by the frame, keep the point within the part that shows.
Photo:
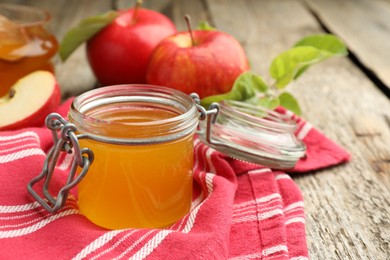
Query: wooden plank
(347,207)
(365,26)
(178,9)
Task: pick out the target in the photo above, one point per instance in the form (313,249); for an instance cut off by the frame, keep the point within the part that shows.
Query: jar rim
(184,119)
(36,16)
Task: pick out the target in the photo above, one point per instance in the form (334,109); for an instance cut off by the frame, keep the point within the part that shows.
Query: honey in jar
(25,43)
(143,148)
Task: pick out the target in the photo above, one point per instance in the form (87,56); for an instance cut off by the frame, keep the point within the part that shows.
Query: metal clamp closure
(65,140)
(210,115)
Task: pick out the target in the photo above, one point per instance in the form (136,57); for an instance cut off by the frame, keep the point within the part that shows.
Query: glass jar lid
(254,134)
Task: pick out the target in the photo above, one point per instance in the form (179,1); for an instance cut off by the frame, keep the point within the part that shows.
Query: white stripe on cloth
(259,171)
(27,207)
(265,252)
(295,205)
(137,242)
(282,176)
(128,234)
(248,211)
(19,137)
(37,226)
(258,217)
(260,200)
(299,258)
(289,113)
(18,148)
(274,249)
(32,213)
(21,154)
(28,223)
(254,210)
(209,152)
(295,220)
(304,131)
(97,243)
(148,248)
(19,208)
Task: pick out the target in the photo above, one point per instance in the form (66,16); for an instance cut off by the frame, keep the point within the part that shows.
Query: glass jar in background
(25,43)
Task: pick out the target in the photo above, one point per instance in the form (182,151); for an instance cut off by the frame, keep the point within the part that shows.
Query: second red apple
(207,63)
(120,52)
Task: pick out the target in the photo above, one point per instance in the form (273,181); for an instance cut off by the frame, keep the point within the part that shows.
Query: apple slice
(29,101)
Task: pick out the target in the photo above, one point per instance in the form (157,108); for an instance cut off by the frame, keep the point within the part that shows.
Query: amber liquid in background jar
(25,44)
(145,185)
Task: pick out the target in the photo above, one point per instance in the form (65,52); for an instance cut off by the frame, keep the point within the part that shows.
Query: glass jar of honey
(143,137)
(26,45)
(133,147)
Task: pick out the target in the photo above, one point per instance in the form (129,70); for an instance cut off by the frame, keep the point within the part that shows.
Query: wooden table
(347,207)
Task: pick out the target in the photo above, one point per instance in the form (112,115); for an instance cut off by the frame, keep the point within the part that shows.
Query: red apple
(203,61)
(29,101)
(120,52)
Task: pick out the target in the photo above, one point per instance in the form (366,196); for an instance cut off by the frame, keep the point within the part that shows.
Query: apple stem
(136,8)
(114,5)
(188,22)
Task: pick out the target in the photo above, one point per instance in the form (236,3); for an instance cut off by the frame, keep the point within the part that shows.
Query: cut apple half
(29,101)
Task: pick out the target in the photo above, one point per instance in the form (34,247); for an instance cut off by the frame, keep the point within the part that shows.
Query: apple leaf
(245,86)
(266,101)
(327,43)
(286,66)
(205,26)
(288,101)
(85,30)
(290,64)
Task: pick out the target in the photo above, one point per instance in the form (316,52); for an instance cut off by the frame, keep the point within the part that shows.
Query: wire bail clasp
(210,115)
(65,140)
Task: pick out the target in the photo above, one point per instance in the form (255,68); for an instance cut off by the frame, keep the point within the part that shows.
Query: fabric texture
(239,211)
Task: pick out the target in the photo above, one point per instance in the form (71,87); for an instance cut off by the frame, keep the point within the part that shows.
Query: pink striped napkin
(239,211)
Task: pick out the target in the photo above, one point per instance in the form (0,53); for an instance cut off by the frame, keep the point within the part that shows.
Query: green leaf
(328,43)
(288,101)
(245,87)
(312,49)
(85,30)
(204,25)
(266,101)
(291,63)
